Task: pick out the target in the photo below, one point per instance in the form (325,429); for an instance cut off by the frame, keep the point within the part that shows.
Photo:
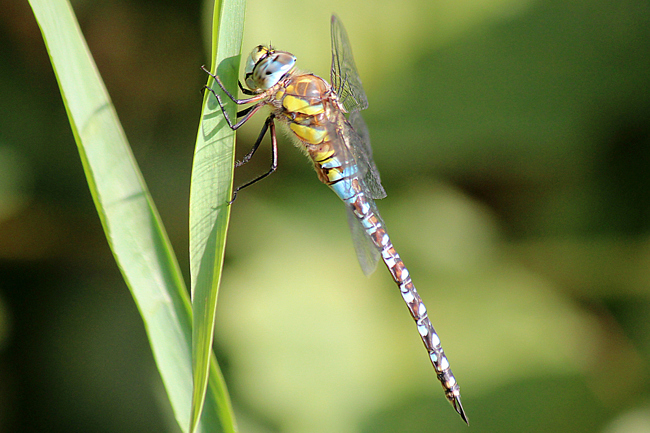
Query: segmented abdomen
(400,274)
(347,187)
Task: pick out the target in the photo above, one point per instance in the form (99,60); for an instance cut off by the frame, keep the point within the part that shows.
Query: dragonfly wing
(345,141)
(360,144)
(343,75)
(352,145)
(367,253)
(347,85)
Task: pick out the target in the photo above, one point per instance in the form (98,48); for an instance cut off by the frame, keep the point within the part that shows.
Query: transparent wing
(343,75)
(347,85)
(346,141)
(353,144)
(359,142)
(367,253)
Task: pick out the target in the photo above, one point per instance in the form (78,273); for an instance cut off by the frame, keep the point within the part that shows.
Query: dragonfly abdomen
(370,220)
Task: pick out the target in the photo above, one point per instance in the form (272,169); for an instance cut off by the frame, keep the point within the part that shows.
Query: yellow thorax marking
(295,104)
(309,134)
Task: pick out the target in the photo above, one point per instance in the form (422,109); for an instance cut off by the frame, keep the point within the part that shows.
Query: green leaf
(130,220)
(211,190)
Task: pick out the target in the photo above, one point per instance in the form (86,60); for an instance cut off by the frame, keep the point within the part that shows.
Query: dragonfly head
(265,67)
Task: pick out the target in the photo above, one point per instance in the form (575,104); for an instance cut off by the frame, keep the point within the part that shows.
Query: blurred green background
(513,139)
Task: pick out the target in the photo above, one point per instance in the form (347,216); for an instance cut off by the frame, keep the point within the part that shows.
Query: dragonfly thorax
(265,67)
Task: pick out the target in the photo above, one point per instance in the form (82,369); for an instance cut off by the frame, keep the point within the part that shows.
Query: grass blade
(211,189)
(130,220)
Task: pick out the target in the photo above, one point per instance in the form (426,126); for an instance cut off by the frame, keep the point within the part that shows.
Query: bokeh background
(513,139)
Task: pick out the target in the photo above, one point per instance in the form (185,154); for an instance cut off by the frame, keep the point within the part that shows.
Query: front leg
(249,112)
(257,97)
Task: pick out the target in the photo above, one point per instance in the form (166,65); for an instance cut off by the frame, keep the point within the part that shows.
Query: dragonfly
(339,146)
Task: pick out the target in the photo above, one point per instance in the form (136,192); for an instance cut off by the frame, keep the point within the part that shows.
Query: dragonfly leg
(274,155)
(247,113)
(257,97)
(250,154)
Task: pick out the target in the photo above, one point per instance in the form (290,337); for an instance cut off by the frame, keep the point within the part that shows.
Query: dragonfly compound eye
(268,67)
(258,53)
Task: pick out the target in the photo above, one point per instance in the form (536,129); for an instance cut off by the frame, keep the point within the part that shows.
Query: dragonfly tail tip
(459,408)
